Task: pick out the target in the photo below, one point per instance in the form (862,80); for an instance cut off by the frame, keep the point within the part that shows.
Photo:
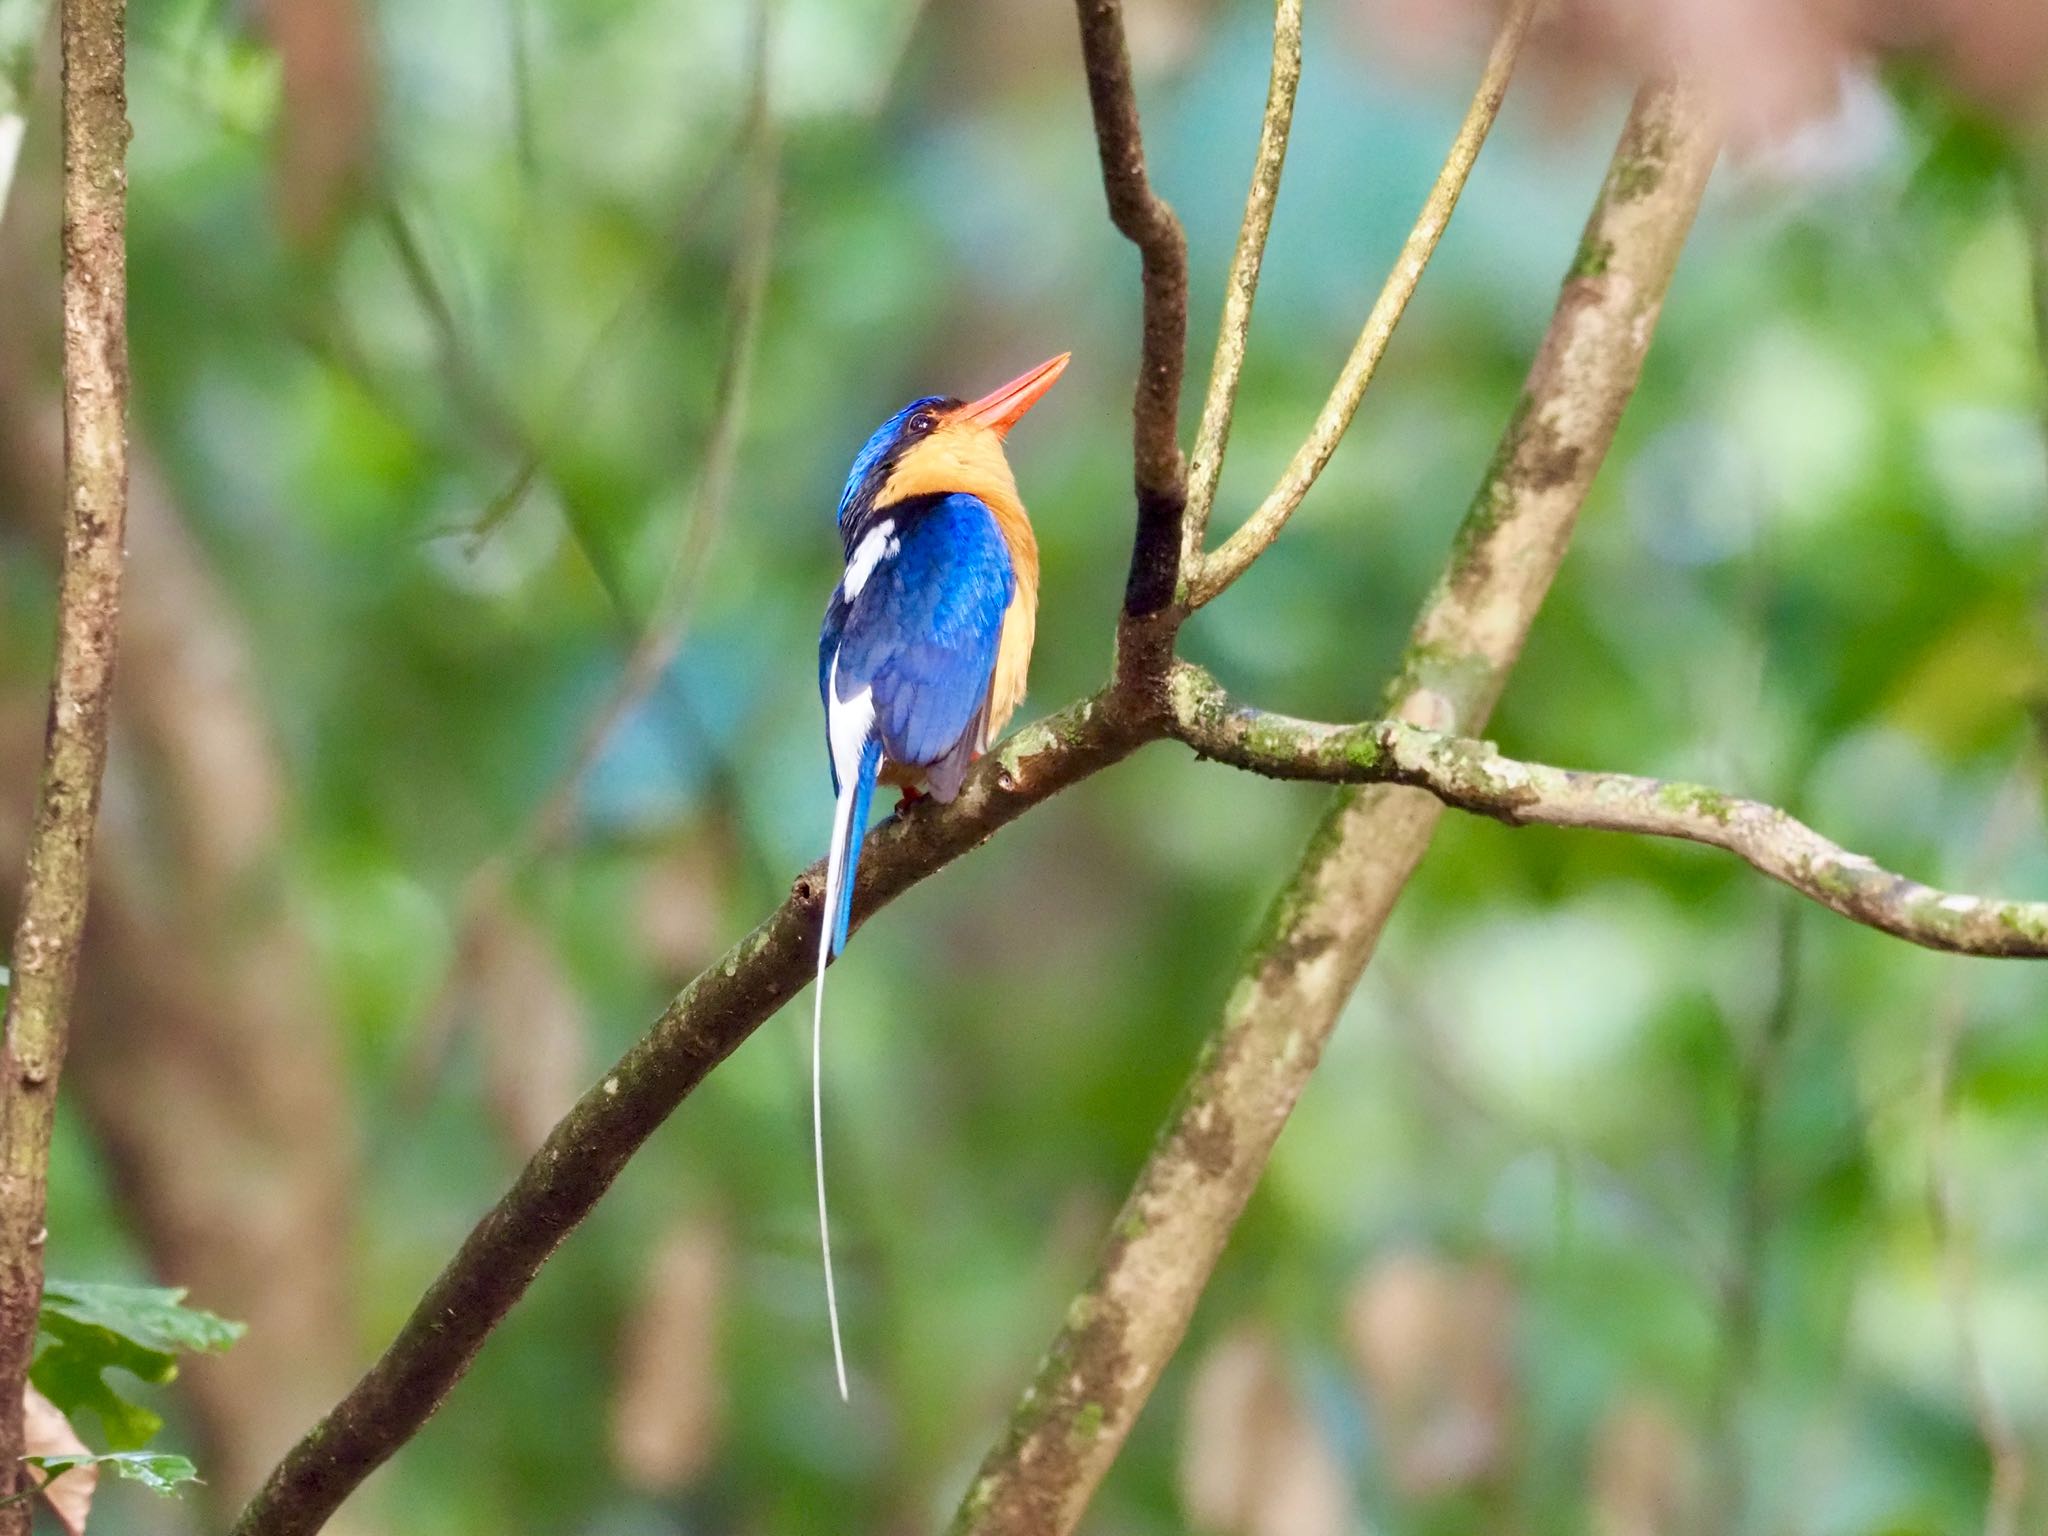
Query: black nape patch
(867,513)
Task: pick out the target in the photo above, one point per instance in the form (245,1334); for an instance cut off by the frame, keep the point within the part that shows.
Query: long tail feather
(849,828)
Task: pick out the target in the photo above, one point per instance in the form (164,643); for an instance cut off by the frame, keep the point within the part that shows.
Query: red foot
(910,797)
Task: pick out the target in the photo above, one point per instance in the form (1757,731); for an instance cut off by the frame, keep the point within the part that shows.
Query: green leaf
(152,1317)
(159,1471)
(90,1329)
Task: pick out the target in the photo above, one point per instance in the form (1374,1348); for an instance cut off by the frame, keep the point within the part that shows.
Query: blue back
(923,631)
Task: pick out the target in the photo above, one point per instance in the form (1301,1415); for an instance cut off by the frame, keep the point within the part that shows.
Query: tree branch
(1144,218)
(1210,575)
(195,961)
(720,1008)
(1470,775)
(1125,1324)
(586,1151)
(58,879)
(1212,438)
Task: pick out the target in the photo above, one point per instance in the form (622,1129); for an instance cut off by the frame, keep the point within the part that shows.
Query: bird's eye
(923,421)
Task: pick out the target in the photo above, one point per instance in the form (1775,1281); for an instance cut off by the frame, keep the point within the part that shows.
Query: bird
(925,647)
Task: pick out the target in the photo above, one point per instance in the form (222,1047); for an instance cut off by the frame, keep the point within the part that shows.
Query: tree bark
(58,879)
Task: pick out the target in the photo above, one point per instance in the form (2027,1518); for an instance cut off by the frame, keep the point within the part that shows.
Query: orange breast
(1020,622)
(964,457)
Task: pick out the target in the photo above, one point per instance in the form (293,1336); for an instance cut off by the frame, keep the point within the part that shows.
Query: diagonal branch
(1125,1324)
(586,1151)
(1470,775)
(1212,438)
(1212,574)
(51,924)
(1144,218)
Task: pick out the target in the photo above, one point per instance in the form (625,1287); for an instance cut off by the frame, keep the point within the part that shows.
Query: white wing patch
(847,723)
(878,545)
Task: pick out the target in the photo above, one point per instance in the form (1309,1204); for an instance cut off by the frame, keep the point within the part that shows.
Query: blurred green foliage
(1699,1152)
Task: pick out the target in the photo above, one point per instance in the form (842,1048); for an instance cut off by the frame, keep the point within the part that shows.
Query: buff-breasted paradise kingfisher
(926,643)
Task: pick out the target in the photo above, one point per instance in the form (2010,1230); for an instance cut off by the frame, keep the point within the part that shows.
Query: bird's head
(940,445)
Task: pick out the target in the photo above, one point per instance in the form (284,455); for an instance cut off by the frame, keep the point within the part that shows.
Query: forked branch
(1241,287)
(1125,1324)
(1209,575)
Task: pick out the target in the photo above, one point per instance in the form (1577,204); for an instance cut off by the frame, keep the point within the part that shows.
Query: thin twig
(540,447)
(1473,776)
(482,403)
(549,828)
(1126,1322)
(51,925)
(1217,571)
(712,497)
(1219,408)
(465,375)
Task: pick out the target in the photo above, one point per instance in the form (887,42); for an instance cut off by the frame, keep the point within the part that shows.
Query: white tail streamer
(848,722)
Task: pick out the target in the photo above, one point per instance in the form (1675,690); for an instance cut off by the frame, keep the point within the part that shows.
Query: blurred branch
(663,636)
(754,127)
(1143,218)
(1750,1212)
(1125,1324)
(2034,209)
(466,377)
(1241,287)
(1209,575)
(58,876)
(21,38)
(326,133)
(2003,1446)
(1656,1208)
(1470,775)
(487,890)
(472,388)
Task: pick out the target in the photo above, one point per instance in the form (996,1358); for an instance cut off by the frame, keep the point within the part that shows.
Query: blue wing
(922,629)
